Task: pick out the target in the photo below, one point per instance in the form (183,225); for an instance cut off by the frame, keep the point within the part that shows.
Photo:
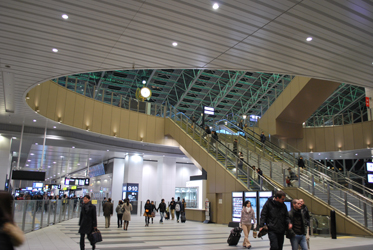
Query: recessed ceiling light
(61,156)
(174,44)
(54,175)
(31,154)
(73,147)
(78,164)
(58,173)
(107,150)
(54,127)
(355,154)
(64,16)
(55,50)
(143,82)
(49,166)
(28,160)
(63,170)
(215,6)
(36,143)
(54,162)
(34,120)
(14,138)
(309,39)
(26,165)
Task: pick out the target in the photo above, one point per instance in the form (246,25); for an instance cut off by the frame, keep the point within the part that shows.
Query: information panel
(237,202)
(252,197)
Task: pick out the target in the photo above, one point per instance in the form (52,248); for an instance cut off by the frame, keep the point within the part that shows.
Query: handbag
(153,214)
(15,234)
(95,237)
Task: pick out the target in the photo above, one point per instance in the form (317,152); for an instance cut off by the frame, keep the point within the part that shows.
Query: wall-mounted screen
(370,178)
(370,166)
(288,205)
(96,170)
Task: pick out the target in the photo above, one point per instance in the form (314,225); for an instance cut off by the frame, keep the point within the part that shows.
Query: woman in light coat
(247,217)
(127,213)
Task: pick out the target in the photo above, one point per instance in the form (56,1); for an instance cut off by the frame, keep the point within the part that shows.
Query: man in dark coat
(108,212)
(275,216)
(87,221)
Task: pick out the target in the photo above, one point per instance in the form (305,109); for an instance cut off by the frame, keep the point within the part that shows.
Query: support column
(5,158)
(133,172)
(118,177)
(166,177)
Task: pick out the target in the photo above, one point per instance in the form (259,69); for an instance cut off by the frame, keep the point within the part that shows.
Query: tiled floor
(170,235)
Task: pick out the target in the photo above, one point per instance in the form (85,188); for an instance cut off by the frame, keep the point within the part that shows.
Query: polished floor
(169,235)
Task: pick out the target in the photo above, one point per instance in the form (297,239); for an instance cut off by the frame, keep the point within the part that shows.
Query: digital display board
(370,178)
(77,181)
(369,166)
(37,185)
(96,170)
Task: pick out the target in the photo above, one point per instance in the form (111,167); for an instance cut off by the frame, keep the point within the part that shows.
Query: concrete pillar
(133,173)
(5,158)
(118,177)
(369,93)
(166,177)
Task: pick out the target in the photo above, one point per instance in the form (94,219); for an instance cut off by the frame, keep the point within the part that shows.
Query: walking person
(161,209)
(247,218)
(87,221)
(172,208)
(153,210)
(235,146)
(307,215)
(275,216)
(127,213)
(108,212)
(119,209)
(240,160)
(182,212)
(263,139)
(148,212)
(178,209)
(297,234)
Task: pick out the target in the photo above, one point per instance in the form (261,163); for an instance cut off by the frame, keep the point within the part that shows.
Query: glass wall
(190,194)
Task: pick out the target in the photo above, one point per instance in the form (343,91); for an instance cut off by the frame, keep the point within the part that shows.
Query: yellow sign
(73,187)
(65,188)
(94,202)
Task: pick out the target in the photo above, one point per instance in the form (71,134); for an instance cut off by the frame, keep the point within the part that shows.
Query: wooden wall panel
(348,136)
(60,104)
(69,108)
(115,120)
(43,104)
(141,133)
(88,113)
(79,112)
(124,123)
(358,140)
(310,139)
(30,101)
(230,183)
(220,180)
(51,110)
(159,130)
(150,129)
(320,139)
(106,120)
(97,117)
(37,96)
(338,138)
(329,139)
(368,134)
(133,126)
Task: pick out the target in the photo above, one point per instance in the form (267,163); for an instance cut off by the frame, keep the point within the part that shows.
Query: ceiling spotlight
(107,150)
(14,138)
(26,165)
(27,96)
(90,158)
(54,127)
(174,44)
(61,156)
(34,120)
(54,162)
(64,16)
(215,6)
(28,160)
(55,50)
(73,147)
(32,154)
(309,39)
(143,81)
(49,166)
(36,143)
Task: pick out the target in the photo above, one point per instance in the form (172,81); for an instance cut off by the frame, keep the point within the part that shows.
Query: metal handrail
(293,161)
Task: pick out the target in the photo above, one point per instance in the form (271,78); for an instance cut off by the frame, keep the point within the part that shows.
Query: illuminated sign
(209,110)
(73,187)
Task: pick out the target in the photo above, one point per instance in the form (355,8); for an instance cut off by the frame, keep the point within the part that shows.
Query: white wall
(150,182)
(5,158)
(183,173)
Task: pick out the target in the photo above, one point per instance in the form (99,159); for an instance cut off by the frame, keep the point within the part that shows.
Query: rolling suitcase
(183,218)
(234,236)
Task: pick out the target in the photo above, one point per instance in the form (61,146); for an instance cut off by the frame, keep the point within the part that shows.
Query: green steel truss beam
(188,87)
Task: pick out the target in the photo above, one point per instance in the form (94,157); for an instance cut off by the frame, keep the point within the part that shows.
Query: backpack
(177,207)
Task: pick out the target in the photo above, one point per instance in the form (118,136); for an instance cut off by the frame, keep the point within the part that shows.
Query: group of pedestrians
(177,207)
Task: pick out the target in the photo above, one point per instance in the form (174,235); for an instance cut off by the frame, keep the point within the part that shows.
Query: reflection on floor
(169,235)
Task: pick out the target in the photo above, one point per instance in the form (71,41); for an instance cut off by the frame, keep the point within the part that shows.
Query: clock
(145,92)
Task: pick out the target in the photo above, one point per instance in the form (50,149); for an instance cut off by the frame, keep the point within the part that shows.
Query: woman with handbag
(148,212)
(247,217)
(127,206)
(10,235)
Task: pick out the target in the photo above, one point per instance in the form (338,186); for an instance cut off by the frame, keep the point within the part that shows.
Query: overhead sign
(209,111)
